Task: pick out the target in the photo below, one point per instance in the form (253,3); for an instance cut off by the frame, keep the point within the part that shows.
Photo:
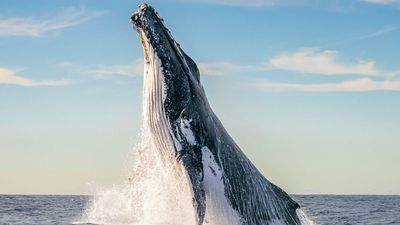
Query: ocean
(322,209)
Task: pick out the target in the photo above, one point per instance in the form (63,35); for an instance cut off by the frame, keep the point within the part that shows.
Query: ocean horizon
(322,209)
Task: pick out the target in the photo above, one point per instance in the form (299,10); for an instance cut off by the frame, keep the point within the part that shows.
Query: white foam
(304,218)
(156,195)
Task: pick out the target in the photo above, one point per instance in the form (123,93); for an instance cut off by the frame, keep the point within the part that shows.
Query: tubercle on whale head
(180,75)
(137,25)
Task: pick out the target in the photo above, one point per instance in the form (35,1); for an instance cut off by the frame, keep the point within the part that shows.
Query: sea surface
(322,209)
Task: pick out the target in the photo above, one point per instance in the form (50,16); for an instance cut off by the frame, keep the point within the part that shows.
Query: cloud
(131,69)
(8,76)
(356,85)
(313,61)
(380,32)
(135,68)
(393,75)
(241,2)
(383,2)
(310,60)
(33,27)
(306,60)
(227,68)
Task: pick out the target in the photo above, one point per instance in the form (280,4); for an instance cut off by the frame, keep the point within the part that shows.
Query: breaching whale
(187,131)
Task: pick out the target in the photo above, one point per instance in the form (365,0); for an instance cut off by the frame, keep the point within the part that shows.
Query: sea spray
(304,218)
(156,194)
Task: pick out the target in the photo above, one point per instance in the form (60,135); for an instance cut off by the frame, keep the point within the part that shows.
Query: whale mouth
(139,21)
(139,17)
(152,31)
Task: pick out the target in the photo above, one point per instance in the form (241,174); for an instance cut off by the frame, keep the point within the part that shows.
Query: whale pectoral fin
(192,161)
(191,157)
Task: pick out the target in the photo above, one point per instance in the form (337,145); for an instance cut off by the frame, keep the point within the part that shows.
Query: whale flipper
(194,170)
(191,156)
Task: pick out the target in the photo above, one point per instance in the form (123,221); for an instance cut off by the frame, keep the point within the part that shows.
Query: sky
(309,89)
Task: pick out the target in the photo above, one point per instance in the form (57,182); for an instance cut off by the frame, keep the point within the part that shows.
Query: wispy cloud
(131,69)
(227,68)
(393,75)
(305,60)
(241,2)
(34,27)
(319,63)
(356,85)
(8,76)
(383,2)
(314,61)
(380,32)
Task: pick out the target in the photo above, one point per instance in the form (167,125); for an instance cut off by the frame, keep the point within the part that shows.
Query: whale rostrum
(187,132)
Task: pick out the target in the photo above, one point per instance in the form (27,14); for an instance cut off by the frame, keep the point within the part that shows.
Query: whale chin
(226,188)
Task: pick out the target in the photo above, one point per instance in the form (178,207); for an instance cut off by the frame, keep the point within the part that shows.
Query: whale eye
(135,18)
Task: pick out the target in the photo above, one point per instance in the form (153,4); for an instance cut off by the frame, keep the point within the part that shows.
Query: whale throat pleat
(153,107)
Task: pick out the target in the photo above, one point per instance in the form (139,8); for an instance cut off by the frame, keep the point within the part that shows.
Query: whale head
(180,76)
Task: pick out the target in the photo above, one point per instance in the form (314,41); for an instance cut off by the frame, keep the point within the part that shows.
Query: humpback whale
(187,132)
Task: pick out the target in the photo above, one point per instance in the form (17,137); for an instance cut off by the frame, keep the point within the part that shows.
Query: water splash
(157,193)
(304,218)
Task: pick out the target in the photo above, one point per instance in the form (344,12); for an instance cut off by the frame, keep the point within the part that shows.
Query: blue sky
(309,89)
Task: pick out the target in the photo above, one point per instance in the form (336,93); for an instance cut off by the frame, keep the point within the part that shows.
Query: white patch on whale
(218,209)
(187,131)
